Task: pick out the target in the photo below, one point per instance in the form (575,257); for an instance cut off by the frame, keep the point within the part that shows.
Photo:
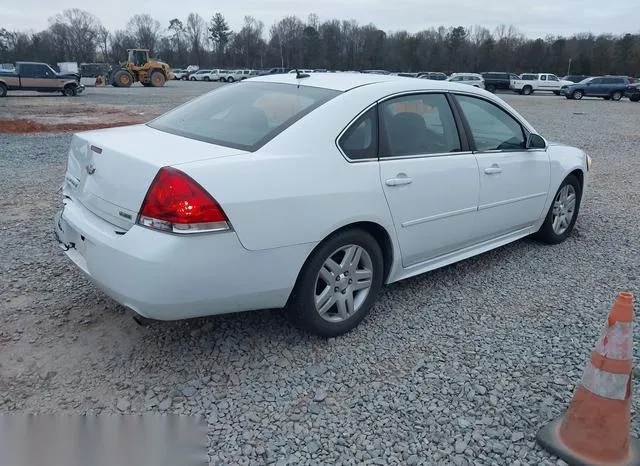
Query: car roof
(335,81)
(347,81)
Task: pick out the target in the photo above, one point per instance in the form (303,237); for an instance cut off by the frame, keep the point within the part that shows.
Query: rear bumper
(170,277)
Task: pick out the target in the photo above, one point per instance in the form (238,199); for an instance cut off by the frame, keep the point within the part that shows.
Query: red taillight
(177,203)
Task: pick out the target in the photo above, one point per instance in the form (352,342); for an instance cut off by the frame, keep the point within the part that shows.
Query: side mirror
(535,141)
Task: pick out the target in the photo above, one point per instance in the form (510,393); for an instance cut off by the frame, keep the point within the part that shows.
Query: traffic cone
(595,429)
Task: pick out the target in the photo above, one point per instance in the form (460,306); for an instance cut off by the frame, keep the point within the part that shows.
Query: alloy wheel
(564,207)
(343,283)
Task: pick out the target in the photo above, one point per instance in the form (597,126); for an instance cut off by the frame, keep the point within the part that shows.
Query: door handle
(493,170)
(399,181)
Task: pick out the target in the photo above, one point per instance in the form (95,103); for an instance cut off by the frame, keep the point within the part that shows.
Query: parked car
(191,69)
(472,79)
(301,70)
(633,92)
(231,76)
(434,75)
(371,179)
(245,74)
(575,78)
(39,77)
(528,83)
(275,71)
(200,75)
(178,73)
(607,87)
(385,72)
(494,81)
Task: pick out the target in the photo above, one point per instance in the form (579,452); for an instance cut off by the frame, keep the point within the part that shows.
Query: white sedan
(309,194)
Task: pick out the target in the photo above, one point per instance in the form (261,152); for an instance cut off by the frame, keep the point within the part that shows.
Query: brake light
(176,203)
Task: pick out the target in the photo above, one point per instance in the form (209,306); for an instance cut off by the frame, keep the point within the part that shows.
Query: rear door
(514,181)
(429,178)
(28,75)
(595,88)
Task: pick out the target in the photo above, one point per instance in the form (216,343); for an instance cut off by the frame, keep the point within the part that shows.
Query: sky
(534,18)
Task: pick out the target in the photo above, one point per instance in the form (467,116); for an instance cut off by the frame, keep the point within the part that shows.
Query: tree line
(76,35)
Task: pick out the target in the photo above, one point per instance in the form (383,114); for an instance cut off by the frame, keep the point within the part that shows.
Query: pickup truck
(40,77)
(528,83)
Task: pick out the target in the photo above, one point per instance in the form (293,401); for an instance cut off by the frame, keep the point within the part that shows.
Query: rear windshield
(244,115)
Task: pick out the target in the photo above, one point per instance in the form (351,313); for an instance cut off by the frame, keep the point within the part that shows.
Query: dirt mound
(19,126)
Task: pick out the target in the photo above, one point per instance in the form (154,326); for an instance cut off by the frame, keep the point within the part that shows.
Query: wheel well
(381,236)
(578,174)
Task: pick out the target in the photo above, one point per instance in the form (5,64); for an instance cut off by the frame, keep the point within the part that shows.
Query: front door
(514,181)
(430,183)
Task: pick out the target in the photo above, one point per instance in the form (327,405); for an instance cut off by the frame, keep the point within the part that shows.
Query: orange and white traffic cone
(595,429)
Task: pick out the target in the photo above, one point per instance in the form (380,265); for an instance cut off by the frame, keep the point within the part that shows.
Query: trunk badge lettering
(96,149)
(90,169)
(125,215)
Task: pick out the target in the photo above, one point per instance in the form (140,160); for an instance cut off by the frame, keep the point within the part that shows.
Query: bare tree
(196,34)
(145,30)
(75,33)
(103,38)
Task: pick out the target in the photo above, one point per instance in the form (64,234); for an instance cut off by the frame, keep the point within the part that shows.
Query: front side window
(491,127)
(244,116)
(543,78)
(360,141)
(417,125)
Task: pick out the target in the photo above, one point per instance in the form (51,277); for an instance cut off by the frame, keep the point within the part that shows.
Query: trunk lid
(109,171)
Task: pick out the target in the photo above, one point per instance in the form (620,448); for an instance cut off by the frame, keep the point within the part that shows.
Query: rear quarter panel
(298,188)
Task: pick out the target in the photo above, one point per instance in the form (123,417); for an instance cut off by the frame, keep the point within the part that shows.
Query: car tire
(527,90)
(223,80)
(556,227)
(336,283)
(122,78)
(491,88)
(633,98)
(616,95)
(3,90)
(192,79)
(206,78)
(69,91)
(578,94)
(230,79)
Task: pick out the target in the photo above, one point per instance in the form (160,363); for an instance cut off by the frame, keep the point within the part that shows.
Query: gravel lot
(458,366)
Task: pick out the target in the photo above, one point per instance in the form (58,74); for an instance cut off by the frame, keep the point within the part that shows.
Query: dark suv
(434,75)
(575,78)
(633,92)
(494,81)
(607,87)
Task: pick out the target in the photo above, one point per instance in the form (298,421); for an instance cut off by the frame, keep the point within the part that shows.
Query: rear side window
(419,124)
(360,140)
(244,116)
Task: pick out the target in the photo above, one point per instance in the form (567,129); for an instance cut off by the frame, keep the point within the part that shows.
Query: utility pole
(569,69)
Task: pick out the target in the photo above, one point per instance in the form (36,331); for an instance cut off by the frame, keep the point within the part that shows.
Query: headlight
(589,163)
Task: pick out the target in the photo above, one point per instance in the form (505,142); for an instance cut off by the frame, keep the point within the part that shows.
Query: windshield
(585,81)
(244,116)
